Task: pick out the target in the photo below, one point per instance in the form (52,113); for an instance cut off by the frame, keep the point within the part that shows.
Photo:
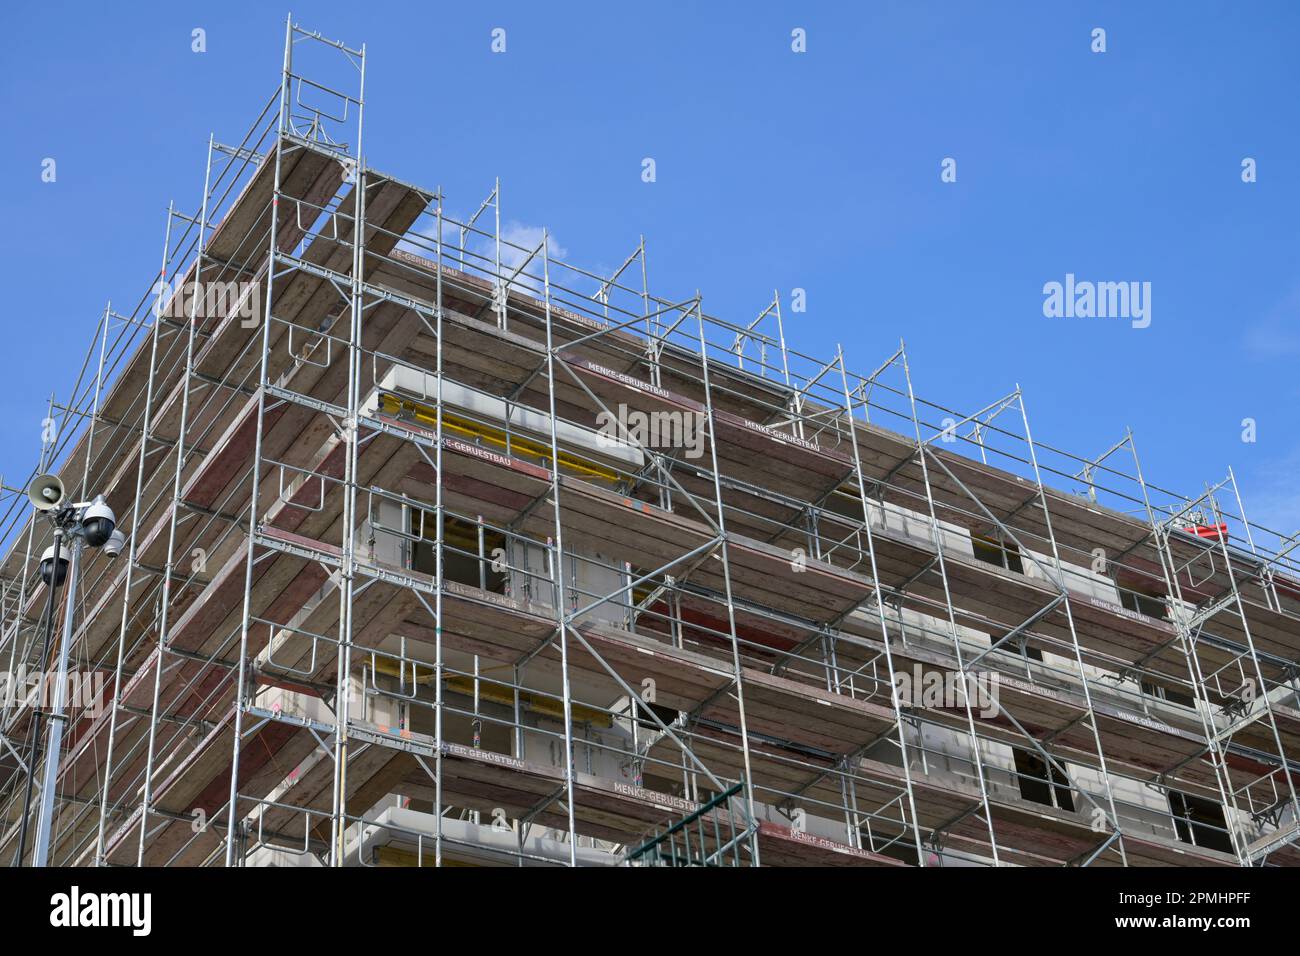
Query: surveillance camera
(115,543)
(51,573)
(98,522)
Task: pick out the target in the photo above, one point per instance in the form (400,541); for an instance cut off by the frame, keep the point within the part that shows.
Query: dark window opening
(1019,647)
(1034,774)
(1166,693)
(465,559)
(1199,822)
(1148,604)
(1004,554)
(644,710)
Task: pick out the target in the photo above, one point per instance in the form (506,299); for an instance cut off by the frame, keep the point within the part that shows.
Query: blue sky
(774,170)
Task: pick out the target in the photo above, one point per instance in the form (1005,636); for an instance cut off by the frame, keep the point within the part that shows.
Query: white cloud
(518,243)
(420,242)
(529,238)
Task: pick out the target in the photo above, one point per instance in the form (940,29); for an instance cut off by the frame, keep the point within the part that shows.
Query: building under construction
(443,551)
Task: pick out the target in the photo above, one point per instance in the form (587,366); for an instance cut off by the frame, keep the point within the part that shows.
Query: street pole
(34,735)
(54,741)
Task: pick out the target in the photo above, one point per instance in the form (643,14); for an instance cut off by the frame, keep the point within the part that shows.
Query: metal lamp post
(80,525)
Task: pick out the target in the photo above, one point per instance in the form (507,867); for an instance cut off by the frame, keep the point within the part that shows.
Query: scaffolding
(445,550)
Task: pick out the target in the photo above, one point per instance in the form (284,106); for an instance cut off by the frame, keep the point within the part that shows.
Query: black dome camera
(98,522)
(52,572)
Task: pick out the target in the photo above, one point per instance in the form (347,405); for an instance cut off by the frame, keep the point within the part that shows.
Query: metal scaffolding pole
(133,541)
(1187,643)
(937,533)
(439,544)
(1237,600)
(163,617)
(557,549)
(241,692)
(879,600)
(349,429)
(725,555)
(1060,582)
